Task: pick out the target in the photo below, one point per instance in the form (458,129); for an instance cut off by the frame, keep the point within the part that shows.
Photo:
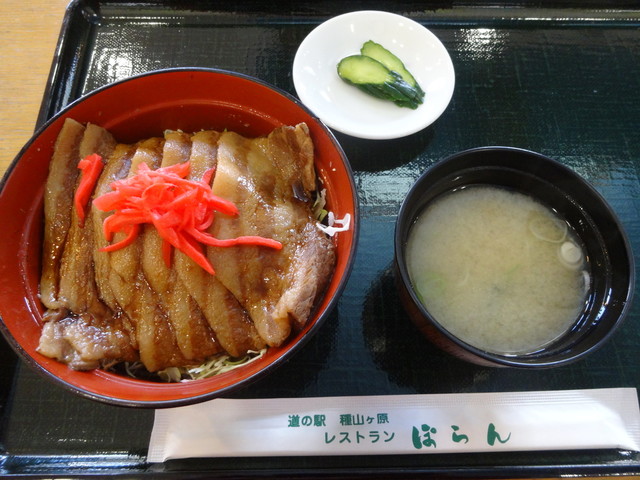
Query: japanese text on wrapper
(356,428)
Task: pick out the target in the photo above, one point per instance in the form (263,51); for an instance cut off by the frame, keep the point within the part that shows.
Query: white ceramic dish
(347,109)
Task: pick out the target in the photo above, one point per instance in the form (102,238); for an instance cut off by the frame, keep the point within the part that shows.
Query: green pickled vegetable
(389,60)
(372,77)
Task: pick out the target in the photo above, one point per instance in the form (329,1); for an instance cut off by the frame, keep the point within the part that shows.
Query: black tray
(563,82)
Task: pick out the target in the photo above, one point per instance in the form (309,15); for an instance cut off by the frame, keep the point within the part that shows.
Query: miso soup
(497,269)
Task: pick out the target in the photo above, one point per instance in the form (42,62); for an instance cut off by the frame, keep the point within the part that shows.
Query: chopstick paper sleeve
(400,424)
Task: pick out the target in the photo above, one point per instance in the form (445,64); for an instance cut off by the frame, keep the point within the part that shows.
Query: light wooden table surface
(29,32)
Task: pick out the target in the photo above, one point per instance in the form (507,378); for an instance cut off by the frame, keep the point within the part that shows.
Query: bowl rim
(492,358)
(282,354)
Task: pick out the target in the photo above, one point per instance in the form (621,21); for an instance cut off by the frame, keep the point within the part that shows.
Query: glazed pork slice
(156,339)
(271,180)
(124,264)
(78,291)
(58,201)
(229,321)
(86,342)
(193,335)
(117,167)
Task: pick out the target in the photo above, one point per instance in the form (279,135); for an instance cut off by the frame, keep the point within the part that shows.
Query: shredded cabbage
(213,366)
(219,364)
(319,211)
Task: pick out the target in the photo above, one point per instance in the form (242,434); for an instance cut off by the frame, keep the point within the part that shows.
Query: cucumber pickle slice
(377,74)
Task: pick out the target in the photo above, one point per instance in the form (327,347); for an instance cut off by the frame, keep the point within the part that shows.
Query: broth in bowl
(498,269)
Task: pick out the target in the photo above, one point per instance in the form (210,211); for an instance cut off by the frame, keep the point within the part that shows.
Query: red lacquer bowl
(132,109)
